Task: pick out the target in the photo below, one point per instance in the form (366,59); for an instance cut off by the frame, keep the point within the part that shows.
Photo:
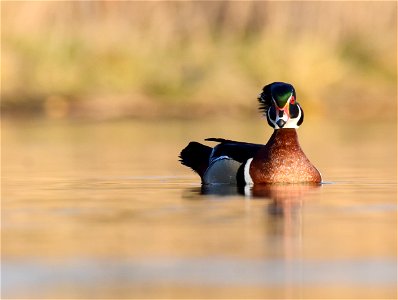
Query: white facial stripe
(292,122)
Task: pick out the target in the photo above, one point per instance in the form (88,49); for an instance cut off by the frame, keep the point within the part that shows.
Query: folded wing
(218,165)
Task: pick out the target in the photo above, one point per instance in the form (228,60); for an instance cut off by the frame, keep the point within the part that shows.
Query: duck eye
(292,100)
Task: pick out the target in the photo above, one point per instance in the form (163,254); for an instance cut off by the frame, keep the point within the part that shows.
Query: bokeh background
(112,59)
(99,97)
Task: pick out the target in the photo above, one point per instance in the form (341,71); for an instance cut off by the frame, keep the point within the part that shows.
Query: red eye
(292,100)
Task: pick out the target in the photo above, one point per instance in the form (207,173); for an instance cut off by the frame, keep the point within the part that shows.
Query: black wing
(239,151)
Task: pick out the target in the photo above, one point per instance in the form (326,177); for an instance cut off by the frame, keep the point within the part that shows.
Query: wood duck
(281,160)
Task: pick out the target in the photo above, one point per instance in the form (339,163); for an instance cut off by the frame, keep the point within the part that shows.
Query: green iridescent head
(278,102)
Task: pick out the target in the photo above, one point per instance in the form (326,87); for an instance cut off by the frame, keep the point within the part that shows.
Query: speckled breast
(282,160)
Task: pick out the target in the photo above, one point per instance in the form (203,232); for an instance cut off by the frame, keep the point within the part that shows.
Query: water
(104,210)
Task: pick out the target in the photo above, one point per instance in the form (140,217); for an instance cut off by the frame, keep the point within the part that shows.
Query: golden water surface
(105,210)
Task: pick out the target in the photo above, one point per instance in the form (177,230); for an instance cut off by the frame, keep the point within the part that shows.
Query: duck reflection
(282,222)
(220,190)
(285,197)
(276,192)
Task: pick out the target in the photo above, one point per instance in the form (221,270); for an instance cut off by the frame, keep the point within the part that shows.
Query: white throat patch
(289,123)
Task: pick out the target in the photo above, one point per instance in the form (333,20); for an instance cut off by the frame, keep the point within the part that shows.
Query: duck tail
(196,156)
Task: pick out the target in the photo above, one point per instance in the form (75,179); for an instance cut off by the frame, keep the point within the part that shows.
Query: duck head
(279,105)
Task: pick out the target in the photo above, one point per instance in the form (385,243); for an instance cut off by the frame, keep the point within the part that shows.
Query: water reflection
(277,192)
(285,197)
(221,190)
(282,210)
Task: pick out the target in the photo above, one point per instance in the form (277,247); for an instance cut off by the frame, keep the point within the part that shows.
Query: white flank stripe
(246,172)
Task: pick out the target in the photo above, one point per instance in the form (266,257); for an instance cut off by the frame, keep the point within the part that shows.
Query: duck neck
(286,136)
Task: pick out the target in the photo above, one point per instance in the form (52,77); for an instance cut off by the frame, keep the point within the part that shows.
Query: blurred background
(112,59)
(99,97)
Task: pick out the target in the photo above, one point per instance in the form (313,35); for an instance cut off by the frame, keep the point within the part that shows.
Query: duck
(280,161)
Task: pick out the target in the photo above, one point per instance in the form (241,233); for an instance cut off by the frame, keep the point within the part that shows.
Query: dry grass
(115,59)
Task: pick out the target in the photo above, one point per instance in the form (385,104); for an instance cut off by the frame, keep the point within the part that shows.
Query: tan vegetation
(115,59)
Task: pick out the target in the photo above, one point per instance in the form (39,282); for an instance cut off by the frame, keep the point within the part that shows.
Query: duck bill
(282,116)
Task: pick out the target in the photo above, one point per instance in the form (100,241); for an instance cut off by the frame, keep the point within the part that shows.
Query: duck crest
(282,160)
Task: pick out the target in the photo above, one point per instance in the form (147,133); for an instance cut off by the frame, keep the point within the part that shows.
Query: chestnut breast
(282,160)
